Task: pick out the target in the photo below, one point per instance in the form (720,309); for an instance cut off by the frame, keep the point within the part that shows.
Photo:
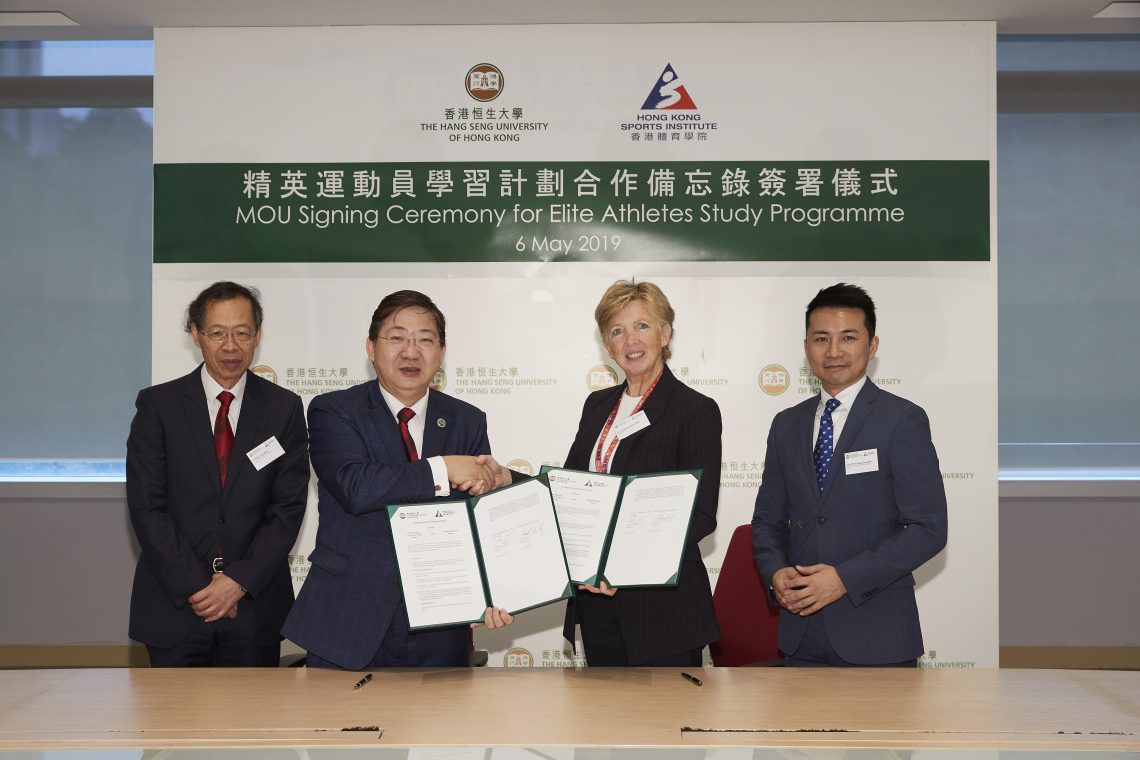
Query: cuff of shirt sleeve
(439,475)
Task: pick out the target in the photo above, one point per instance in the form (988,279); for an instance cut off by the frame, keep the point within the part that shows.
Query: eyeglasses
(400,342)
(218,335)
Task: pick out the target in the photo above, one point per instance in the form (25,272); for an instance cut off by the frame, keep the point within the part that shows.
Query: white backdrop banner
(512,178)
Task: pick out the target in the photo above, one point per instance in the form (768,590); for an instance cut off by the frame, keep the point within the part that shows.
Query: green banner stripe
(639,211)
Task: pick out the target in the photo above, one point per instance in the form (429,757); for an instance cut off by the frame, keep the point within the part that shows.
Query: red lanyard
(603,464)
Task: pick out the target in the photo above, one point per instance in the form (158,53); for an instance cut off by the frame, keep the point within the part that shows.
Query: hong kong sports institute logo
(669,94)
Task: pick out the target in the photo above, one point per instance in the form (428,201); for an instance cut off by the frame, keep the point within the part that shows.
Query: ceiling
(129,19)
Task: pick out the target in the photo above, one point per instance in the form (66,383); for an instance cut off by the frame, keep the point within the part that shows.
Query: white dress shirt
(416,429)
(212,388)
(839,416)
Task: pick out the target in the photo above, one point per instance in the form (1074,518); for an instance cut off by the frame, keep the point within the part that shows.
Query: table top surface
(590,707)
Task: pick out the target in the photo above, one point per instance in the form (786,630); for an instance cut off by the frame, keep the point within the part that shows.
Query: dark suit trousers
(225,643)
(815,651)
(401,648)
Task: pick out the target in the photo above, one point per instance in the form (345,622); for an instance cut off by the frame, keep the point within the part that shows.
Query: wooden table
(600,707)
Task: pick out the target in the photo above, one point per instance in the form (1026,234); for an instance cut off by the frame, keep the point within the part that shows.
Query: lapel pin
(441,422)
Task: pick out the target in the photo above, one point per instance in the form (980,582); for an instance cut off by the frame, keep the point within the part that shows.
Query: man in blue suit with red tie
(850,504)
(392,441)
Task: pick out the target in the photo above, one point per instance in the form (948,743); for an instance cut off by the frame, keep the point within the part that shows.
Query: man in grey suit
(388,441)
(851,502)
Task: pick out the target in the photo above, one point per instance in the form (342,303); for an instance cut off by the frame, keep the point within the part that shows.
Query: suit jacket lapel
(862,408)
(658,401)
(201,434)
(249,423)
(386,426)
(595,420)
(805,444)
(437,426)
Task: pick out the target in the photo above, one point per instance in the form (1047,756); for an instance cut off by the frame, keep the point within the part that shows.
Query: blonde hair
(621,293)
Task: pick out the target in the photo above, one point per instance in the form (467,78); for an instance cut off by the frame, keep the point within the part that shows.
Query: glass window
(79,58)
(1068,238)
(75,210)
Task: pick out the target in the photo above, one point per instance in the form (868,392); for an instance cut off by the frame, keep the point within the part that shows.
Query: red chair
(748,626)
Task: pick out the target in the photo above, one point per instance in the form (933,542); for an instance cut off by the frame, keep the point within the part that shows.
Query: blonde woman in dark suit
(648,626)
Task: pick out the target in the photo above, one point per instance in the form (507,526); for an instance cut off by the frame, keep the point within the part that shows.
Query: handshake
(476,475)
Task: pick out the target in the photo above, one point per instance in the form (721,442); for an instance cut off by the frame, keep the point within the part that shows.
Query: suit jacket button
(821,519)
(221,519)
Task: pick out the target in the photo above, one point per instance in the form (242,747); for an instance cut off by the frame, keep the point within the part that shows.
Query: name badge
(857,462)
(631,425)
(264,453)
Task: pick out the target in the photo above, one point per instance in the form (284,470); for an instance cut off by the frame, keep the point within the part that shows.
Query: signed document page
(521,548)
(438,563)
(649,534)
(585,503)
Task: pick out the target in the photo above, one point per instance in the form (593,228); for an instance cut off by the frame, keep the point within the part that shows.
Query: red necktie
(404,415)
(223,434)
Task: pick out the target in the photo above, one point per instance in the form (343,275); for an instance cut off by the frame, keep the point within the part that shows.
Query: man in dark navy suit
(392,441)
(217,476)
(850,504)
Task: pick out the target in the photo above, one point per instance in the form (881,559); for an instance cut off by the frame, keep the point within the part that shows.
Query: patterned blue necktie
(823,444)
